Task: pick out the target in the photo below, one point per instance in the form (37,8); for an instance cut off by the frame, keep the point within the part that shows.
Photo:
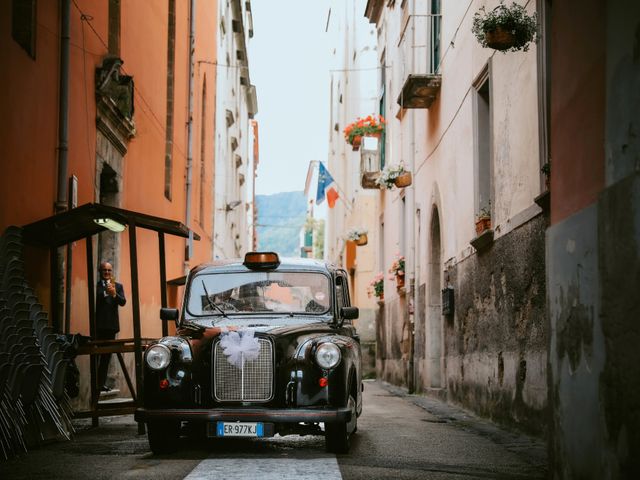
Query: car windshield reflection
(259,292)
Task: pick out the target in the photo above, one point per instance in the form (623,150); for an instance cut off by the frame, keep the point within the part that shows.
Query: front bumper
(285,415)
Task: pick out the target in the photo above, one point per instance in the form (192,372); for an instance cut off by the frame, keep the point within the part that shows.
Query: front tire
(337,436)
(163,436)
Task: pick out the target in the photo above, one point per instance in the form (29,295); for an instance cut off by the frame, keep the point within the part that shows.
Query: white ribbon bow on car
(240,347)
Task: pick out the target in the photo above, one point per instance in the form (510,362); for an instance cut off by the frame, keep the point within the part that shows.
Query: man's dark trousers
(108,323)
(105,358)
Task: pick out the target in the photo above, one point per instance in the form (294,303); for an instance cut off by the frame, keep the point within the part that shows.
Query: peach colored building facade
(130,139)
(354,94)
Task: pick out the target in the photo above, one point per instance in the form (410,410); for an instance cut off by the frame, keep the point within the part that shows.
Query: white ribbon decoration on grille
(240,346)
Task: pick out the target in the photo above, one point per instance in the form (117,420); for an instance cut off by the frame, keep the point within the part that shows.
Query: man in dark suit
(109,296)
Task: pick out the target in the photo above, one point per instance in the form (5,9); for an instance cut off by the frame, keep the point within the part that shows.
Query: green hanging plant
(508,29)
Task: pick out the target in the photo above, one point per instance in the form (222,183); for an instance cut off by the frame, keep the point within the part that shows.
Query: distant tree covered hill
(281,217)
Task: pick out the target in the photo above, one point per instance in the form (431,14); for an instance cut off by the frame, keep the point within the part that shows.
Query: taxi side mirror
(350,313)
(169,314)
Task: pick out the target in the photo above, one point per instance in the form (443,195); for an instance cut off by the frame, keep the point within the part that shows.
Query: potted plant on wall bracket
(376,287)
(505,28)
(483,220)
(546,169)
(358,235)
(394,176)
(544,199)
(403,180)
(370,126)
(397,271)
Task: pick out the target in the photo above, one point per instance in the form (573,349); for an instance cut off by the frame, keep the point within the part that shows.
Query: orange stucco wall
(577,106)
(29,129)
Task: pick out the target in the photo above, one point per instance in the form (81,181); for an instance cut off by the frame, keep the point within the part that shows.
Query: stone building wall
(496,341)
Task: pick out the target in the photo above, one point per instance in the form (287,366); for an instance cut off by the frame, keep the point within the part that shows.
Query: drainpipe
(63,111)
(413,268)
(61,204)
(192,37)
(410,222)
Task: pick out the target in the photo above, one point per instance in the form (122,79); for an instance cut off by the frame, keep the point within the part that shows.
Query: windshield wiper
(191,326)
(210,302)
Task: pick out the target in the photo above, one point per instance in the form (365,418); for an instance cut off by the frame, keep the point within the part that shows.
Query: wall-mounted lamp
(110,224)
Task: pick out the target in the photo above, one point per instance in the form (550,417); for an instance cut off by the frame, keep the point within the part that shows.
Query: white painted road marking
(266,469)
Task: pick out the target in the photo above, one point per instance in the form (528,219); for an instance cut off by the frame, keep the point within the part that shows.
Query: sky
(289,65)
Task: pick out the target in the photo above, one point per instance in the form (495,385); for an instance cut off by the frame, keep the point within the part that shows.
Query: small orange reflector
(323,382)
(164,384)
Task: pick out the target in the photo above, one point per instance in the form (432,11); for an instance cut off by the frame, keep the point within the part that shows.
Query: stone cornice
(113,125)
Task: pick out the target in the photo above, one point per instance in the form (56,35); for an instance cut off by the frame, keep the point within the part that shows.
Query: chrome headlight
(180,345)
(328,355)
(158,356)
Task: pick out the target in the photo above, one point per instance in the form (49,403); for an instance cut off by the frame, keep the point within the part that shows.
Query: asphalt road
(399,437)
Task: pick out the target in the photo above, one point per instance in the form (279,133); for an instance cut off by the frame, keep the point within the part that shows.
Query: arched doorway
(434,341)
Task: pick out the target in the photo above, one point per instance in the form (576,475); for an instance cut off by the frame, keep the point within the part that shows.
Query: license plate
(240,429)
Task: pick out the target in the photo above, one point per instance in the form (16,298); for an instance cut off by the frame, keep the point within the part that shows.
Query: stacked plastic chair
(32,361)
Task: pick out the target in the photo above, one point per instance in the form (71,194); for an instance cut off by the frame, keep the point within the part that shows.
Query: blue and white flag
(326,187)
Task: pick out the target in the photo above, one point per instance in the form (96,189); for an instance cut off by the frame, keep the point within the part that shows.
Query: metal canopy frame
(79,223)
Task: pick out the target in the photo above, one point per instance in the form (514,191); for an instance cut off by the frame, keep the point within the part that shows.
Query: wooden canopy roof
(79,223)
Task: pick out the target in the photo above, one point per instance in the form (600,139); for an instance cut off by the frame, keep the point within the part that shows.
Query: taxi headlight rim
(328,355)
(167,356)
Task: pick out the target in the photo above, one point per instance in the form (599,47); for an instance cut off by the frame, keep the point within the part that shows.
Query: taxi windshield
(259,292)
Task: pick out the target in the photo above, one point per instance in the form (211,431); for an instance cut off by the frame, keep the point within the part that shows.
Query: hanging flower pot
(499,39)
(389,175)
(362,240)
(358,235)
(400,280)
(403,180)
(505,28)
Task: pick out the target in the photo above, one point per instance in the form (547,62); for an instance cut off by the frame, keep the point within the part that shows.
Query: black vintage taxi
(262,347)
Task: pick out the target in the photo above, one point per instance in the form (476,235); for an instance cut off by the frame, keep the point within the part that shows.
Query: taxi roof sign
(261,260)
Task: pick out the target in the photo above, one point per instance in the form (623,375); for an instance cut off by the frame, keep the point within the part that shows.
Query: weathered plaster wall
(419,342)
(619,237)
(366,328)
(594,254)
(491,357)
(619,260)
(393,353)
(622,135)
(495,343)
(576,352)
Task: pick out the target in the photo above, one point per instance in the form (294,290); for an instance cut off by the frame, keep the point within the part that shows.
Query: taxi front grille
(251,383)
